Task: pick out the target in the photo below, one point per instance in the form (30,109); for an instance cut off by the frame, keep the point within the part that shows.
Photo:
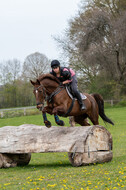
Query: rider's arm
(67,75)
(66,81)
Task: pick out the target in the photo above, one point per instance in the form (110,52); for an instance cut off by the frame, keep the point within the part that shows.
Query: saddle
(71,95)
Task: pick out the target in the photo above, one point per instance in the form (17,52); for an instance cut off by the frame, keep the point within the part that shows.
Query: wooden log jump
(85,145)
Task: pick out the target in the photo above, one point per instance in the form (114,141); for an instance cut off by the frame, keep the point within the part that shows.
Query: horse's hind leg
(94,118)
(86,122)
(82,120)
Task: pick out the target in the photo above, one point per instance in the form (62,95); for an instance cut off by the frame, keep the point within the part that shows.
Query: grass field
(54,171)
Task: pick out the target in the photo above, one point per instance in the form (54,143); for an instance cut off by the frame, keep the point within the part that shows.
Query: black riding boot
(81,103)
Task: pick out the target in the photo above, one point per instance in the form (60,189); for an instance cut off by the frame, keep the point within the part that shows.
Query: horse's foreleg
(57,120)
(47,123)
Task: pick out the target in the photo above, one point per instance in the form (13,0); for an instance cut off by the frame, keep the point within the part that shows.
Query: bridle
(49,98)
(44,93)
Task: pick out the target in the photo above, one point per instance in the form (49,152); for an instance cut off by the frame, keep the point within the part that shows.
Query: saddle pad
(71,96)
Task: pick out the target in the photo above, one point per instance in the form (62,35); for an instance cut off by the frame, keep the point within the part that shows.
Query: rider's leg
(81,103)
(74,88)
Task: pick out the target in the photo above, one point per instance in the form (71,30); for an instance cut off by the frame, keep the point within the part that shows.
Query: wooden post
(24,111)
(111,102)
(1,113)
(88,144)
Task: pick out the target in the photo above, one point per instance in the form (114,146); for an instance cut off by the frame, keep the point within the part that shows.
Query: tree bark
(88,144)
(13,160)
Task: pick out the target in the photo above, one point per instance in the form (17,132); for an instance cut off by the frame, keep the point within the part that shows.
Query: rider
(67,76)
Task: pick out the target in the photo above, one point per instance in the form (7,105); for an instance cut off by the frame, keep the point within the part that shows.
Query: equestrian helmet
(55,63)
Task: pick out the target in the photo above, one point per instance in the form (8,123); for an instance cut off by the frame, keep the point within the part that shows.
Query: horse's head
(46,84)
(40,94)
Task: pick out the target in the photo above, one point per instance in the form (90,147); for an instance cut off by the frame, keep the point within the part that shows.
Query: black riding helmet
(55,63)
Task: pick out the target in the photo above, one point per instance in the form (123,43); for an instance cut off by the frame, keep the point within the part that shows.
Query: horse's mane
(48,76)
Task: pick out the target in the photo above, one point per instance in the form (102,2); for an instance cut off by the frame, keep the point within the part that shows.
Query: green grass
(54,171)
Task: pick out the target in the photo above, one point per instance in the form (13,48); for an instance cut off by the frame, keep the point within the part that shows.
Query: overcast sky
(27,26)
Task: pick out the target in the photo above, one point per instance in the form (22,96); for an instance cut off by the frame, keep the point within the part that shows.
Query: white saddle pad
(71,96)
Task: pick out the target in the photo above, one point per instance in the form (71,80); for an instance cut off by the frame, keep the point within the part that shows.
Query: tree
(14,91)
(34,65)
(25,96)
(113,7)
(95,42)
(10,71)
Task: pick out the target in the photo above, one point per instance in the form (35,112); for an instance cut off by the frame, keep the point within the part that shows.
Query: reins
(49,98)
(57,91)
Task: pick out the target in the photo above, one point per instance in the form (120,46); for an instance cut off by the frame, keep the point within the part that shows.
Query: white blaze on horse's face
(36,91)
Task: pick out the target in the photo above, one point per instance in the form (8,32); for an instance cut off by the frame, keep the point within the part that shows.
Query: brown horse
(47,87)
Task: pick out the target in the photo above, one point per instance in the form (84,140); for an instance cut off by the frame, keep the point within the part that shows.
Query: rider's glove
(61,84)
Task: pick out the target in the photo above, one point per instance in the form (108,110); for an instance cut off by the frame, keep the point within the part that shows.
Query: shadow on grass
(52,165)
(60,165)
(47,165)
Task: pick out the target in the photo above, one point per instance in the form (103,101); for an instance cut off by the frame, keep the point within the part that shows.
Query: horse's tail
(100,103)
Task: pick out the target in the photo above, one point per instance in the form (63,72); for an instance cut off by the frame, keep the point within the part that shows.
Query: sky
(28,26)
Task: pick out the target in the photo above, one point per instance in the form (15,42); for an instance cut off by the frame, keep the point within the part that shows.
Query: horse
(47,88)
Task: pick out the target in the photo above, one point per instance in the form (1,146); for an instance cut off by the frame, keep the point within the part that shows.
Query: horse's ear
(32,82)
(35,83)
(38,82)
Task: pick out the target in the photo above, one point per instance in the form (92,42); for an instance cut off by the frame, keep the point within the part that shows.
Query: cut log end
(83,159)
(13,160)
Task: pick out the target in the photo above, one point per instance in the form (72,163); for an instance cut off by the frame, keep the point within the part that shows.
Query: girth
(70,108)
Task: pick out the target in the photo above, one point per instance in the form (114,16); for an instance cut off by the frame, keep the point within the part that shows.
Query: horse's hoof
(61,123)
(48,124)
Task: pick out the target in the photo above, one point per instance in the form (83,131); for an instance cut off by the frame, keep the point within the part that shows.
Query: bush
(18,113)
(122,103)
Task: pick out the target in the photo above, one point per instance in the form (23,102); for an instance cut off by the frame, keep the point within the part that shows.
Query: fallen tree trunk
(88,144)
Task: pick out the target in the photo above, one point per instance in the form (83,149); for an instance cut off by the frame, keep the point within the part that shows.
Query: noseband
(44,93)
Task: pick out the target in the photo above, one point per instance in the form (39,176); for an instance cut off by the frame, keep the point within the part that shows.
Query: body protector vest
(64,75)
